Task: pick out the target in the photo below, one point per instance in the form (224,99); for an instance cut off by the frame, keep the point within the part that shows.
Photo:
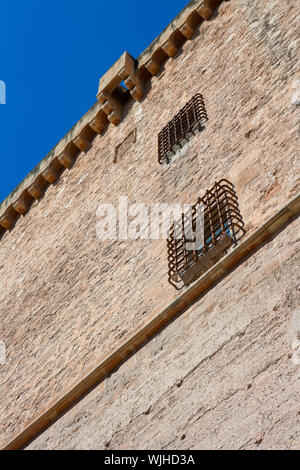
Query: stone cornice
(112,97)
(160,320)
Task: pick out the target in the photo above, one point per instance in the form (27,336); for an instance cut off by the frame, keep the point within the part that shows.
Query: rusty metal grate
(185,122)
(222,226)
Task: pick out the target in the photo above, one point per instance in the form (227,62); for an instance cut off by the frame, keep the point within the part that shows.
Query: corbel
(52,172)
(188,25)
(83,140)
(132,78)
(170,47)
(153,66)
(23,202)
(100,121)
(36,189)
(67,157)
(9,217)
(112,107)
(206,10)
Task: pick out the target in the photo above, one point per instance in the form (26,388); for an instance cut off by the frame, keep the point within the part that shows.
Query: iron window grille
(183,124)
(222,226)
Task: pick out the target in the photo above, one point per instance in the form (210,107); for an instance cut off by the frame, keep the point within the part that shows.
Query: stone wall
(67,298)
(221,376)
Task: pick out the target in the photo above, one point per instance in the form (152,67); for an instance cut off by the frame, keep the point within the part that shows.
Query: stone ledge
(160,320)
(112,97)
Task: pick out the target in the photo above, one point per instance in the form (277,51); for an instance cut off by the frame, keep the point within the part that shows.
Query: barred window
(221,225)
(184,123)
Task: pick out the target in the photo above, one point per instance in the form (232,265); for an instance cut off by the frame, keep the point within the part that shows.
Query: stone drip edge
(146,331)
(109,108)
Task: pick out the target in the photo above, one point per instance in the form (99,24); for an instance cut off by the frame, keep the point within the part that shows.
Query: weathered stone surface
(67,298)
(219,377)
(295,337)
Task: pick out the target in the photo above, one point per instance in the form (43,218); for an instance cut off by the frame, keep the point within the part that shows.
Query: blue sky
(52,56)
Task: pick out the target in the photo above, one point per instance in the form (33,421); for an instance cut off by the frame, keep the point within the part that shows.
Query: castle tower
(135,341)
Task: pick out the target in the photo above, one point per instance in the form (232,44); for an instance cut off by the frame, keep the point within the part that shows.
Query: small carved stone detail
(125,145)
